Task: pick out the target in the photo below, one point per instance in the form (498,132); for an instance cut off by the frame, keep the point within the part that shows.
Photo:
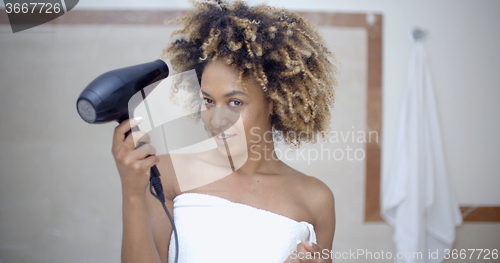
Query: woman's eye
(207,101)
(235,103)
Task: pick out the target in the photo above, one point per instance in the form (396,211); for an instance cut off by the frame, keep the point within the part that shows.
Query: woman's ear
(270,108)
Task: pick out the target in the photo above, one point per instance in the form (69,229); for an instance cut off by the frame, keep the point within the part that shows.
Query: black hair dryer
(107,97)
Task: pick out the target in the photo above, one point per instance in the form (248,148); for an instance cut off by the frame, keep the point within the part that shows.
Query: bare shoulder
(316,195)
(319,196)
(320,201)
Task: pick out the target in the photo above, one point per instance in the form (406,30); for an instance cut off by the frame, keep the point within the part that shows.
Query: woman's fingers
(133,140)
(308,252)
(142,152)
(137,139)
(150,161)
(134,157)
(120,130)
(313,247)
(141,164)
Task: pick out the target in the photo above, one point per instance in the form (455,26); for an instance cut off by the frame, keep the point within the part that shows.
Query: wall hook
(417,34)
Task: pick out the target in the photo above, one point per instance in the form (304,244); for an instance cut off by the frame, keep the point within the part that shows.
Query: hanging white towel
(416,196)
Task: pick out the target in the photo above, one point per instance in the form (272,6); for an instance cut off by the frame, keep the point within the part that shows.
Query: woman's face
(237,117)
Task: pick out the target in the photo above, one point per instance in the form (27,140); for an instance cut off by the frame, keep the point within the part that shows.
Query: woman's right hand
(134,165)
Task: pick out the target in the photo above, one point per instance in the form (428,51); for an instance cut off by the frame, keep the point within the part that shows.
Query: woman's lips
(221,138)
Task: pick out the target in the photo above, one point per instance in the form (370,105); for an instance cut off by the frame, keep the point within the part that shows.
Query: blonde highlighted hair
(278,48)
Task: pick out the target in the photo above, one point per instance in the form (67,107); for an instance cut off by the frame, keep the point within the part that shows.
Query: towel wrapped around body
(213,229)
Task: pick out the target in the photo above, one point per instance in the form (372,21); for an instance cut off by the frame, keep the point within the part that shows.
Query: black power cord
(155,183)
(154,180)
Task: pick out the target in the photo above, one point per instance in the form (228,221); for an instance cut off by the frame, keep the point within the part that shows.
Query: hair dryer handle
(155,183)
(154,178)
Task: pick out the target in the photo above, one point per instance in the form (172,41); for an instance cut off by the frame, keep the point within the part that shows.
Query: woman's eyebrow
(234,92)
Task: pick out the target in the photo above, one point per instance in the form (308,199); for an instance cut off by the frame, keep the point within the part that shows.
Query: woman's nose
(219,120)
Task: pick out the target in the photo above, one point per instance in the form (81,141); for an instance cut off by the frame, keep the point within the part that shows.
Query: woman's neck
(262,158)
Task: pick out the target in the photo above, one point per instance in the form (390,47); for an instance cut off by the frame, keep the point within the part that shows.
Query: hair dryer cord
(155,183)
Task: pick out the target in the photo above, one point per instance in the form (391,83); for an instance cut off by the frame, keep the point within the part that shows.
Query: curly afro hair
(278,48)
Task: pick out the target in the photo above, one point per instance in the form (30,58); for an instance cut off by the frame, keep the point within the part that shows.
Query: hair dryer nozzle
(106,98)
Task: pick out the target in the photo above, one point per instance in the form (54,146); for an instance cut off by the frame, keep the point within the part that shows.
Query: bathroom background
(60,198)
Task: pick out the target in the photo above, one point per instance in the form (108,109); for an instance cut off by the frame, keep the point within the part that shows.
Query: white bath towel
(416,196)
(212,229)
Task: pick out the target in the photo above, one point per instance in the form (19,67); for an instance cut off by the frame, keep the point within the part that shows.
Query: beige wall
(60,195)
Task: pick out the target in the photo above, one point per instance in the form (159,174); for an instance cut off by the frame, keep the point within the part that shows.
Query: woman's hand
(133,164)
(308,252)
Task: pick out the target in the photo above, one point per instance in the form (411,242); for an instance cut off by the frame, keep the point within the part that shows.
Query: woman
(270,67)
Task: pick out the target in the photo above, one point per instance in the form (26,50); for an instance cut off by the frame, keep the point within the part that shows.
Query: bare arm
(138,244)
(146,227)
(322,205)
